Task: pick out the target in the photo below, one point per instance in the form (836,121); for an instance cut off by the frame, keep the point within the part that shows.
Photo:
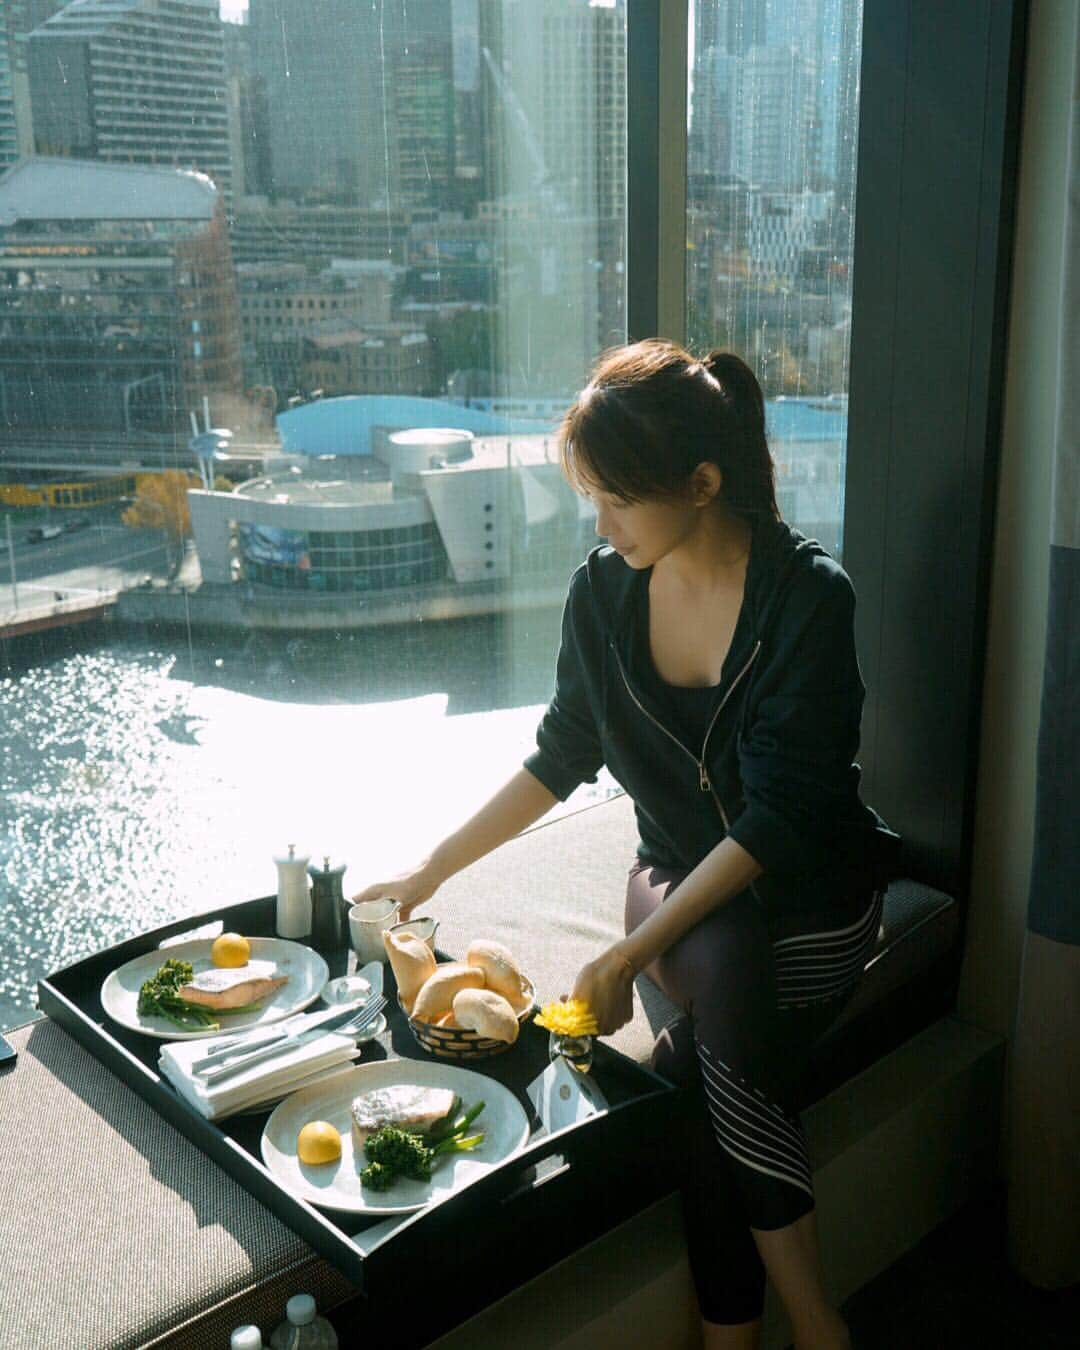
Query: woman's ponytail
(651,414)
(740,385)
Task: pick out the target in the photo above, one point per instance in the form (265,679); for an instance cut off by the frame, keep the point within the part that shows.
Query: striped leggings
(757,997)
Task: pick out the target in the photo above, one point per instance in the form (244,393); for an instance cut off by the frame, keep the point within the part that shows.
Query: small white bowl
(363,985)
(424,928)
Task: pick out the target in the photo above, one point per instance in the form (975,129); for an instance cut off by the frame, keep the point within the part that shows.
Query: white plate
(337,1185)
(305,968)
(363,984)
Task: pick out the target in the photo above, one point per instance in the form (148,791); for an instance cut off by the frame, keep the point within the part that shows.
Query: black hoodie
(776,771)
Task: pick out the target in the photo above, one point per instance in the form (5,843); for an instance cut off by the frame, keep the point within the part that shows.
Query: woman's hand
(410,890)
(607,986)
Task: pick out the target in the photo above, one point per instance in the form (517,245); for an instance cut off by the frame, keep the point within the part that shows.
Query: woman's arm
(606,983)
(517,805)
(720,876)
(568,753)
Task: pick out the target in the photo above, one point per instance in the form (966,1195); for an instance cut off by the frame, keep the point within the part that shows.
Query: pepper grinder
(327,907)
(293,918)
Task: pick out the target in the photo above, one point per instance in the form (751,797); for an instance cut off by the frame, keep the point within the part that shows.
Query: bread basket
(462,1044)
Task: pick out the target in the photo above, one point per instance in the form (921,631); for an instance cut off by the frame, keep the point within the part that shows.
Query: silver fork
(353,1026)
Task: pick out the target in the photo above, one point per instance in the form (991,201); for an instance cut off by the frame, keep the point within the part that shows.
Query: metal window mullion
(656,59)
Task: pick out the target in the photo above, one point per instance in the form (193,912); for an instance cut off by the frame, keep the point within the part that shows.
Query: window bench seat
(118,1232)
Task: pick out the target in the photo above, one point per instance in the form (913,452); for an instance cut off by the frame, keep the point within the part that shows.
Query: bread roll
(501,971)
(412,962)
(486,1013)
(436,996)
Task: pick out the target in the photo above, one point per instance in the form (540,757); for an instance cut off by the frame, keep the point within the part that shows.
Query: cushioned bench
(555,897)
(118,1232)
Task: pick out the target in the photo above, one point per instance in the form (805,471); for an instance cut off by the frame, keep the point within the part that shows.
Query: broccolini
(393,1152)
(159,996)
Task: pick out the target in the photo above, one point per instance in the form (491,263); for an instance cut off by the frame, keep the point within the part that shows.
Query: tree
(161,503)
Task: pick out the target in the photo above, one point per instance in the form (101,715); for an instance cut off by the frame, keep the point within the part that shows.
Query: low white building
(429,506)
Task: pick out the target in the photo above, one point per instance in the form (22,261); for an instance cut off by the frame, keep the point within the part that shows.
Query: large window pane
(292,295)
(771,192)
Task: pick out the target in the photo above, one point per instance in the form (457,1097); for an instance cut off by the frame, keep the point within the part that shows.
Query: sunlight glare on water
(136,789)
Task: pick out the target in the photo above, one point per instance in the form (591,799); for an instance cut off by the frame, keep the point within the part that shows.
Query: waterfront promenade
(75,576)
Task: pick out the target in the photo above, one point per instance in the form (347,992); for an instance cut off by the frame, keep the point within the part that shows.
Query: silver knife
(237,1045)
(237,1063)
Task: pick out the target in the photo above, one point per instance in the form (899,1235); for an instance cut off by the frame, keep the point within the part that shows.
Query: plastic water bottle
(303,1329)
(247,1337)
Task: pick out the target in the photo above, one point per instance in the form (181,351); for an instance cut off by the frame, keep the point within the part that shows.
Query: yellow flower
(573,1017)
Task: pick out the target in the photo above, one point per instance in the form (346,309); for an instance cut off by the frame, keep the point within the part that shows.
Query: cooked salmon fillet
(409,1107)
(234,987)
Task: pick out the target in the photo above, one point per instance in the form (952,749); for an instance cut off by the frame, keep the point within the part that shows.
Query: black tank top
(686,711)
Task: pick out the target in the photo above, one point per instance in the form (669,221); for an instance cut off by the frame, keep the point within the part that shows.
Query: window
(429,167)
(771,151)
(490,186)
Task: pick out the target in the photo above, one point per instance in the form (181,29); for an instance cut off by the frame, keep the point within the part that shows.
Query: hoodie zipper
(703,774)
(706,784)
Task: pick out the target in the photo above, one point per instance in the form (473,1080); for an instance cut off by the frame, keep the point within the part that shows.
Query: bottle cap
(300,1310)
(247,1337)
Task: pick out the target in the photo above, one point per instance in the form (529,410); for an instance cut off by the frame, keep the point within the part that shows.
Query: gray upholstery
(118,1232)
(556,895)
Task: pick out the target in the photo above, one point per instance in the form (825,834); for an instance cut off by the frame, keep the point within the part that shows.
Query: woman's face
(643,532)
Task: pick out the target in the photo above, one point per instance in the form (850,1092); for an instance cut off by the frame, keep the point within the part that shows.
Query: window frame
(933,237)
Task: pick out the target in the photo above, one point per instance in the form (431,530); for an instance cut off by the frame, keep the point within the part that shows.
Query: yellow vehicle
(91,492)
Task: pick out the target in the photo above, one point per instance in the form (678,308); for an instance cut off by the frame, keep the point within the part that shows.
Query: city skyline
(478,148)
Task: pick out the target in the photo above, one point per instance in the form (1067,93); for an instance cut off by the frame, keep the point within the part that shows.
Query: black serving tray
(561,1191)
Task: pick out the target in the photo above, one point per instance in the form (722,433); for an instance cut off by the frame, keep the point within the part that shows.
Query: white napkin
(264,1082)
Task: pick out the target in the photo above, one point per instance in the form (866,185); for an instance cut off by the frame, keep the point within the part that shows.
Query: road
(106,556)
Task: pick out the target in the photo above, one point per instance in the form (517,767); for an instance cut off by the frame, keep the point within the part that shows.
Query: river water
(145,777)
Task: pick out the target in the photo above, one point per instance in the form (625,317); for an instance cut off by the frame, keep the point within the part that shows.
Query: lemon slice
(230,950)
(318,1142)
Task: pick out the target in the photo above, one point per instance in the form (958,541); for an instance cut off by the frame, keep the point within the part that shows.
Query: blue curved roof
(806,419)
(342,426)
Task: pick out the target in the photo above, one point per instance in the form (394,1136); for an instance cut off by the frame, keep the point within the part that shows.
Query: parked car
(36,533)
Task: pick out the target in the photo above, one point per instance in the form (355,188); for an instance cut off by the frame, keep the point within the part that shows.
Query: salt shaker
(293,901)
(327,907)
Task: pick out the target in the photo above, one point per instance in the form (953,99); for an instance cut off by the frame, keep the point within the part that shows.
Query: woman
(708,659)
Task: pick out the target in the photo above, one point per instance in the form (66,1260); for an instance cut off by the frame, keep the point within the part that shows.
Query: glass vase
(577,1051)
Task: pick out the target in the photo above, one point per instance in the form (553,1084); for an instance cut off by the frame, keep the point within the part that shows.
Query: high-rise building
(422,161)
(17,19)
(558,89)
(319,63)
(9,139)
(840,113)
(100,334)
(470,28)
(360,99)
(135,82)
(249,129)
(776,119)
(711,140)
(730,26)
(826,32)
(421,140)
